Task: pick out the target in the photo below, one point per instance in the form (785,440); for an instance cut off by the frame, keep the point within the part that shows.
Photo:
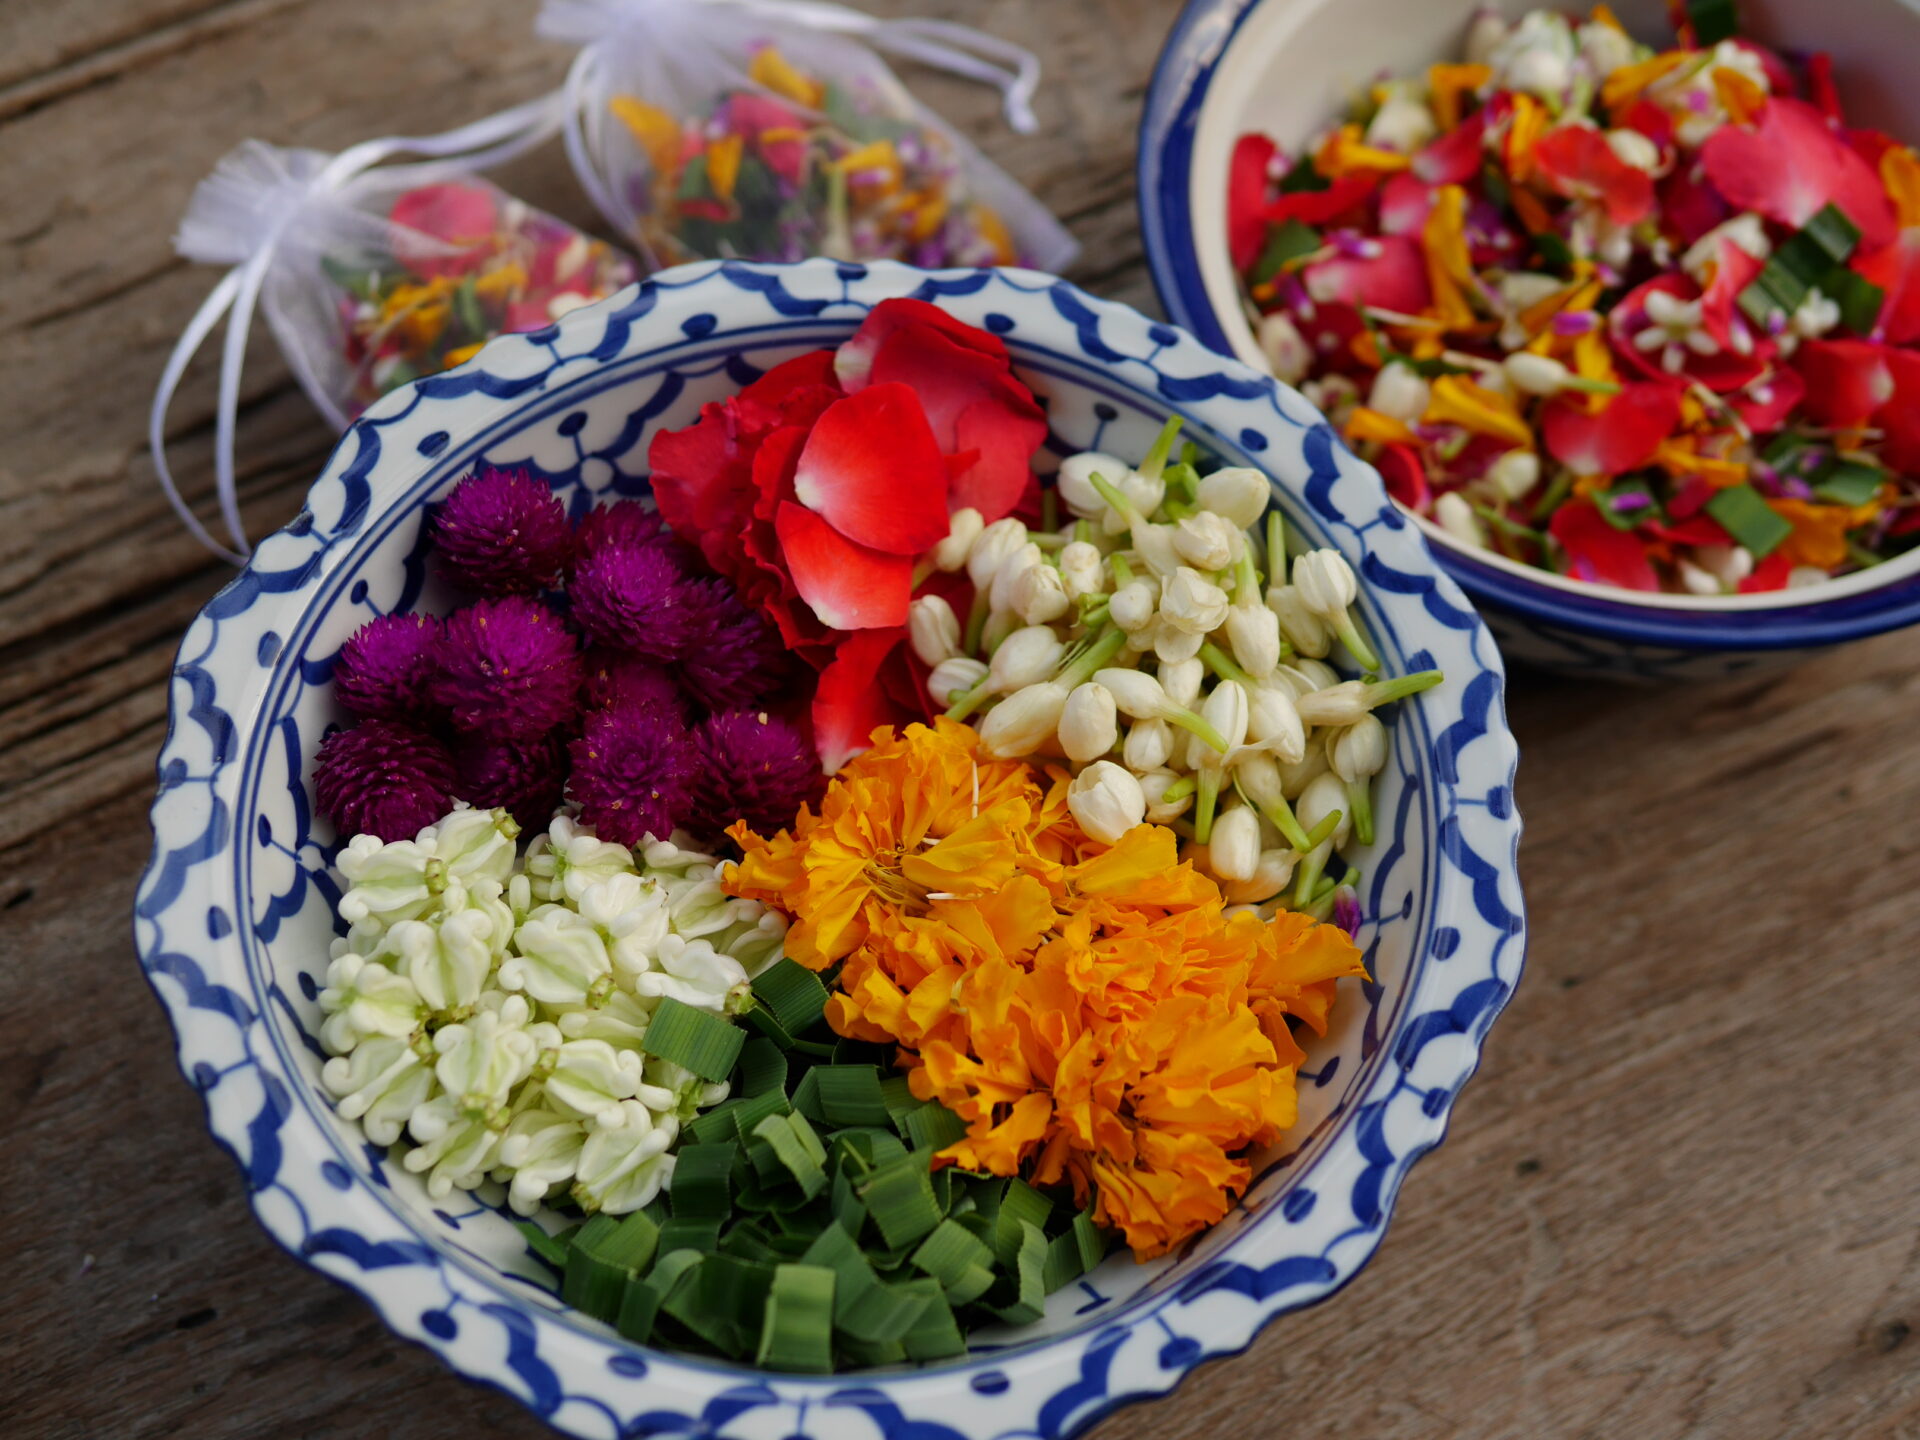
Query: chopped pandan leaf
(722,1301)
(550,1248)
(749,1113)
(714,1126)
(693,1039)
(796,1150)
(693,180)
(1859,299)
(1021,1205)
(1021,1298)
(874,1146)
(763,1067)
(1063,1265)
(958,1260)
(751,1240)
(1493,182)
(897,1093)
(1745,515)
(466,310)
(683,1232)
(604,1254)
(1554,251)
(700,1186)
(870,1353)
(806,1096)
(640,1304)
(899,1201)
(363,282)
(851,1095)
(934,1334)
(1802,260)
(1848,482)
(1303,177)
(1628,503)
(796,1326)
(792,993)
(1288,241)
(1783,448)
(1091,1239)
(932,1127)
(1712,21)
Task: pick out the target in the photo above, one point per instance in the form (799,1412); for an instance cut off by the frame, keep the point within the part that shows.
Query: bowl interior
(589,438)
(1291,66)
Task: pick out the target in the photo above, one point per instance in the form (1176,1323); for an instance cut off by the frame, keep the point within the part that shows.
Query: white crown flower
(589,1079)
(560,959)
(538,1155)
(622,1166)
(694,973)
(364,998)
(381,1084)
(562,863)
(630,912)
(449,958)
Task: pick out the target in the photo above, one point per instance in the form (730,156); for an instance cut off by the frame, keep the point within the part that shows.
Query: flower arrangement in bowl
(835,846)
(1618,310)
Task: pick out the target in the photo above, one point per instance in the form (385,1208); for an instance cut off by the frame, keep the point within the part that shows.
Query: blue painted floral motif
(577,403)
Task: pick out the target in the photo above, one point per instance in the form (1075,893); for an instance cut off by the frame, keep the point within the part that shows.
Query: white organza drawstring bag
(772,130)
(371,274)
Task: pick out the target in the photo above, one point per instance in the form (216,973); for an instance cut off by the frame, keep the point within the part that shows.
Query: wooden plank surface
(1679,1200)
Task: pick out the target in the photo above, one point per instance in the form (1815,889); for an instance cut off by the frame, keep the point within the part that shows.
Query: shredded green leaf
(693,1039)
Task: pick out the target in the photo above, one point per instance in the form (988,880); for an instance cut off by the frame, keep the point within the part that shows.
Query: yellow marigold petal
(1528,123)
(1365,424)
(723,165)
(976,858)
(1345,153)
(1623,86)
(1819,535)
(1739,97)
(1457,400)
(459,355)
(1602,15)
(999,1149)
(1447,83)
(654,131)
(1900,173)
(1449,263)
(1682,458)
(772,70)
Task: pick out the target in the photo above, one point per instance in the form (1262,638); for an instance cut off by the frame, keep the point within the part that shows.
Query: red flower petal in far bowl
(1454,158)
(1579,163)
(454,213)
(1394,279)
(1405,202)
(974,403)
(1318,207)
(872,469)
(1246,198)
(1651,121)
(1727,370)
(1847,381)
(1599,553)
(1766,404)
(1690,205)
(848,586)
(850,703)
(1899,418)
(853,361)
(1770,574)
(1406,476)
(1621,436)
(1895,268)
(1791,165)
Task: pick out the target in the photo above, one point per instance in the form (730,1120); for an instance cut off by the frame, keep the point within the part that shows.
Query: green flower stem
(1048,540)
(1178,790)
(1314,862)
(1590,387)
(1193,724)
(1355,642)
(968,700)
(1246,576)
(1282,817)
(922,573)
(977,620)
(1176,509)
(1320,833)
(1276,548)
(1206,796)
(1224,665)
(1095,614)
(1120,504)
(1557,490)
(1156,462)
(1183,479)
(1361,804)
(1083,531)
(1385,692)
(1122,571)
(1103,648)
(1049,509)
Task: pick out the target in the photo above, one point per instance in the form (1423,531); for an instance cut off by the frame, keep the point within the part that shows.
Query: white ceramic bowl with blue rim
(234,915)
(1283,67)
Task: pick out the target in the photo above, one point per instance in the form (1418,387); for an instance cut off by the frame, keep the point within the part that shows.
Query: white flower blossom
(566,860)
(380,1084)
(560,958)
(364,998)
(538,1155)
(448,958)
(630,914)
(587,1079)
(1106,800)
(694,973)
(622,1166)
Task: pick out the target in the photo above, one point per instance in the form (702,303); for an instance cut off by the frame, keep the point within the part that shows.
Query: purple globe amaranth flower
(625,522)
(633,773)
(741,662)
(528,779)
(385,670)
(509,669)
(502,532)
(383,778)
(641,598)
(752,766)
(617,680)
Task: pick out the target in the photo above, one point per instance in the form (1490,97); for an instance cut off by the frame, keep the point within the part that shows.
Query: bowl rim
(1849,607)
(190,950)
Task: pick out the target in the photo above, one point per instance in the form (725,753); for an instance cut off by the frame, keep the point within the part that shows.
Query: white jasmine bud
(1303,629)
(1454,514)
(1320,799)
(1326,583)
(1269,878)
(1358,751)
(1026,657)
(950,677)
(934,628)
(991,549)
(1106,801)
(1149,745)
(1000,624)
(1225,709)
(1634,149)
(1082,569)
(1400,392)
(1234,846)
(1191,602)
(1171,645)
(1515,473)
(1040,595)
(1484,36)
(1606,48)
(1181,679)
(1253,634)
(1133,605)
(963,528)
(1154,787)
(1143,492)
(1347,702)
(1404,124)
(1274,723)
(1089,722)
(1238,494)
(1016,565)
(1314,675)
(1206,541)
(1076,490)
(1024,721)
(1286,349)
(1295,777)
(1536,374)
(1746,230)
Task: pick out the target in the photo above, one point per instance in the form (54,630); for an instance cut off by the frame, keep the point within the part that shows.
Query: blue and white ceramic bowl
(234,915)
(1283,67)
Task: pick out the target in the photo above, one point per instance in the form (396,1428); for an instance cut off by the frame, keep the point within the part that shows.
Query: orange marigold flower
(1092,1013)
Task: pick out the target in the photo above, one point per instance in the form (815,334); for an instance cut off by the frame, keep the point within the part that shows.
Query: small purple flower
(633,775)
(502,532)
(741,661)
(625,522)
(640,598)
(753,767)
(385,670)
(619,681)
(528,779)
(383,778)
(509,669)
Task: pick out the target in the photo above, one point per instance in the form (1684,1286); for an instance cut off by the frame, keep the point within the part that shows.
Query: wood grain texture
(1682,1198)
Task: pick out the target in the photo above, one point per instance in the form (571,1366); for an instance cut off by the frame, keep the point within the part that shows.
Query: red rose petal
(1316,207)
(1246,197)
(1579,163)
(1769,574)
(1405,203)
(1695,530)
(703,474)
(1621,436)
(1766,404)
(849,704)
(1599,553)
(1406,476)
(1899,418)
(853,361)
(1792,164)
(872,469)
(1847,381)
(1690,205)
(1651,121)
(1454,158)
(1727,370)
(775,464)
(848,586)
(1895,268)
(960,383)
(455,213)
(1820,87)
(1395,279)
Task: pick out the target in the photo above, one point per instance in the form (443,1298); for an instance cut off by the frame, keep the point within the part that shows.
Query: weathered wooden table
(1681,1198)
